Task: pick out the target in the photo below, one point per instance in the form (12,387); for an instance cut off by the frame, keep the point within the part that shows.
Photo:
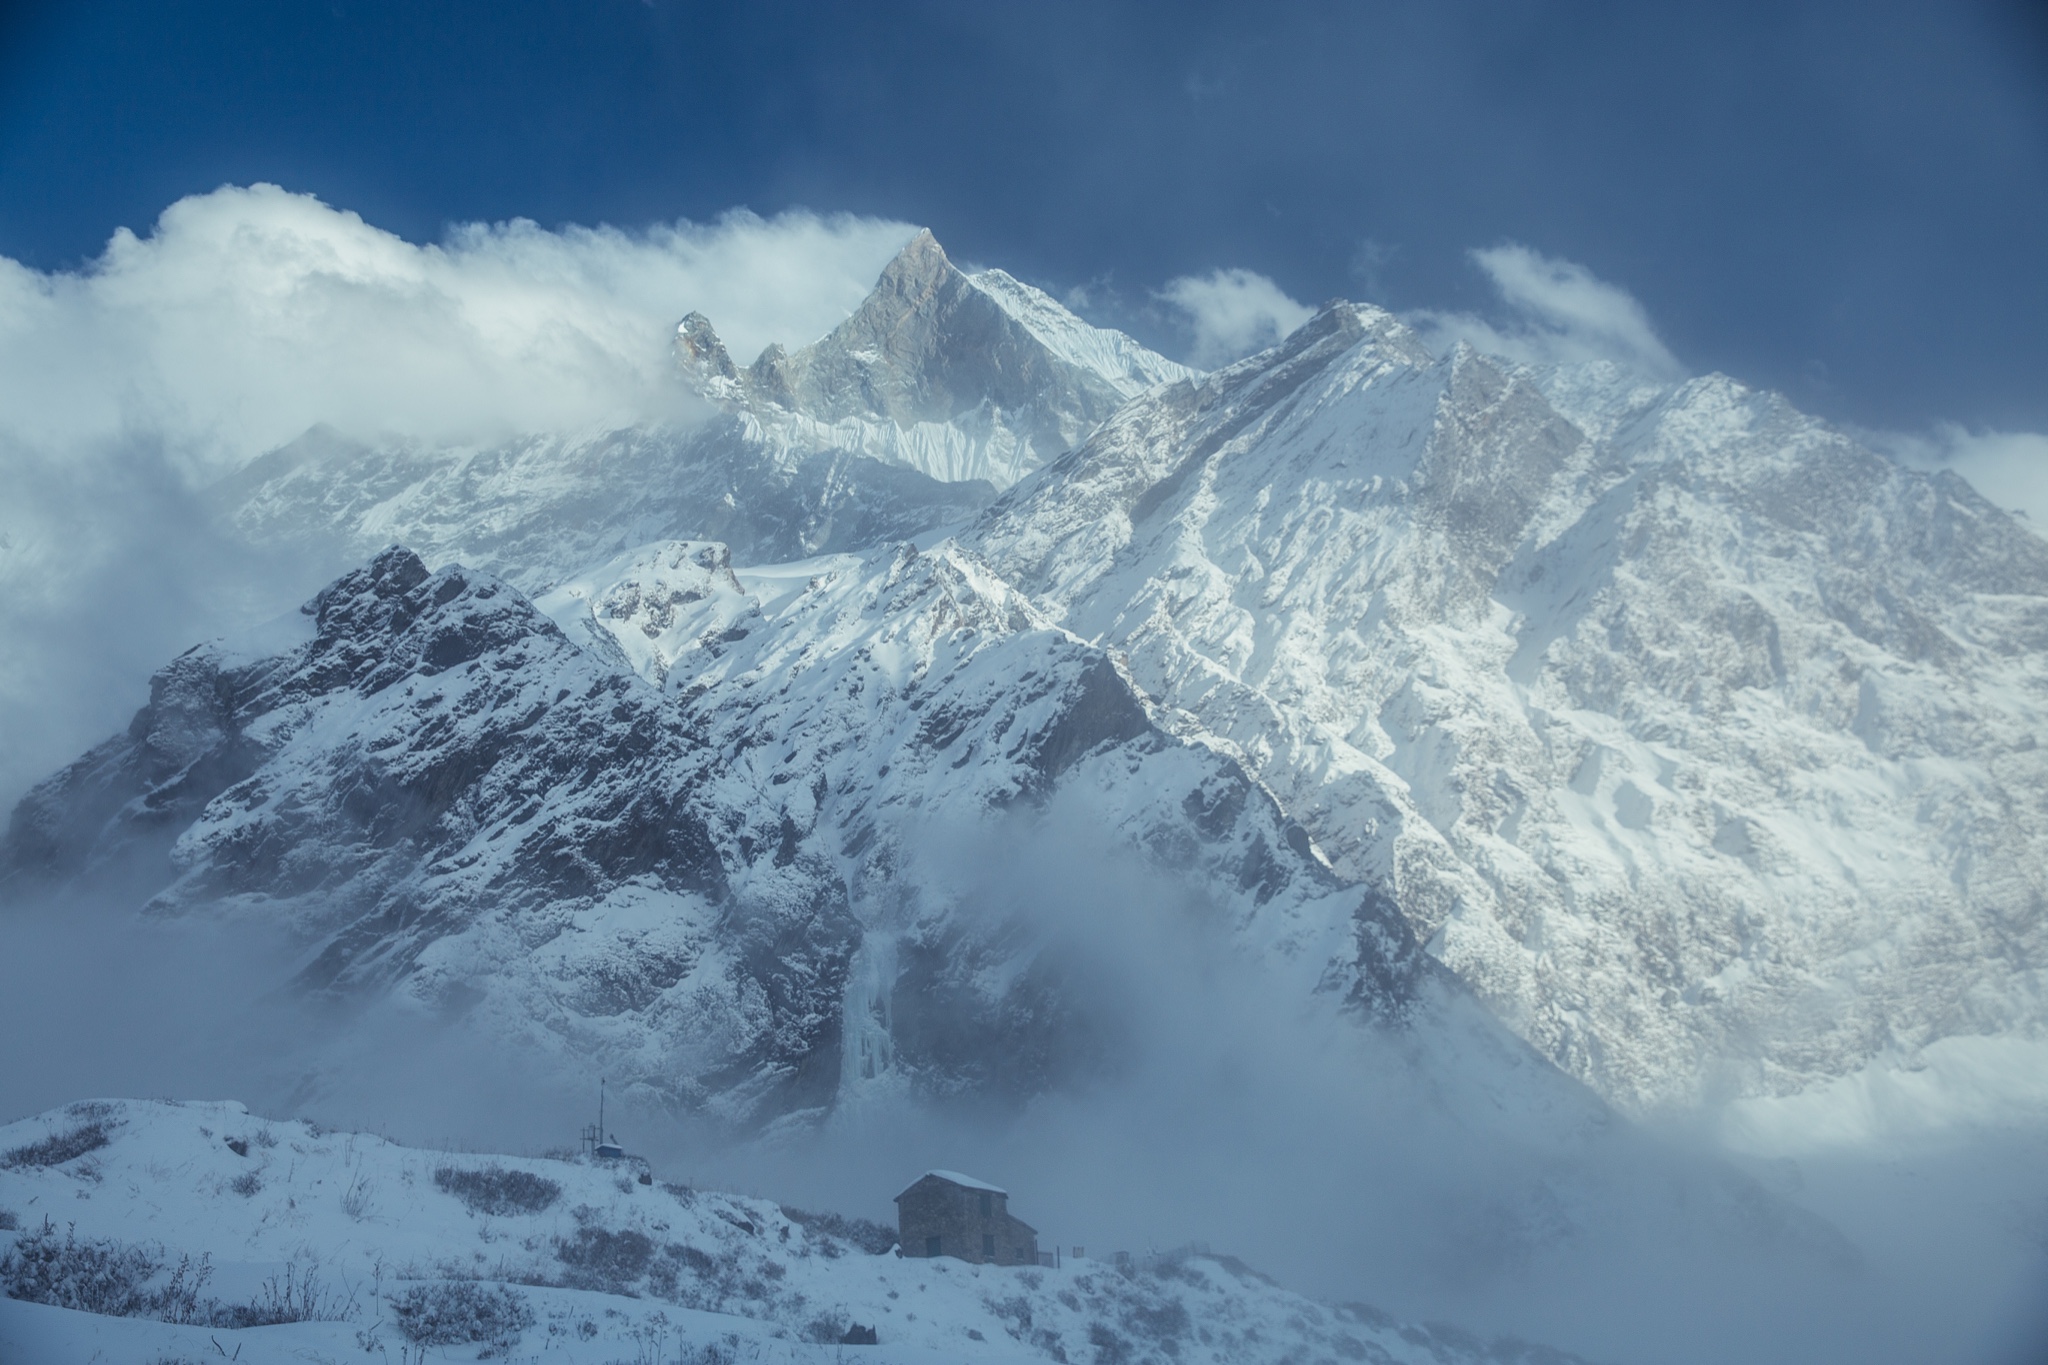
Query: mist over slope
(1321,804)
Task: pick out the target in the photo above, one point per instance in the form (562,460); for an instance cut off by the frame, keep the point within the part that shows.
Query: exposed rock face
(1703,747)
(715,874)
(934,346)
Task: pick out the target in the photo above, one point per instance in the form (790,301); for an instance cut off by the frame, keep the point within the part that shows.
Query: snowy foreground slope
(368,1238)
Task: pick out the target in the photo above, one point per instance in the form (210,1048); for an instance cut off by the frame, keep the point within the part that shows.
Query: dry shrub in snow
(870,1236)
(598,1258)
(295,1295)
(496,1191)
(101,1275)
(58,1148)
(461,1311)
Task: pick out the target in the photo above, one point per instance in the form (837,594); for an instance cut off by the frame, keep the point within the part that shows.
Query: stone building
(944,1213)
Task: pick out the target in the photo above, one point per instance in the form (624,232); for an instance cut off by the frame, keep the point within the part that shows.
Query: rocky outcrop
(703,855)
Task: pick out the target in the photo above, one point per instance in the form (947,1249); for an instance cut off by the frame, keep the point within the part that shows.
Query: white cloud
(2008,467)
(1233,313)
(1561,313)
(248,315)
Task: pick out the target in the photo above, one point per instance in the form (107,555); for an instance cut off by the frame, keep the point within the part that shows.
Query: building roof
(955,1178)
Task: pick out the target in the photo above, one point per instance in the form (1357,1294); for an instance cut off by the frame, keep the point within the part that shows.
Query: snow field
(697,1276)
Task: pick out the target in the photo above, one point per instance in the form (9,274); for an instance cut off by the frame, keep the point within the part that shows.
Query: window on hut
(988,1245)
(931,1246)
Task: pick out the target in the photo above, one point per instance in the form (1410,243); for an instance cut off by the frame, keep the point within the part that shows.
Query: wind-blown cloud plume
(247,316)
(2008,467)
(1233,313)
(1562,313)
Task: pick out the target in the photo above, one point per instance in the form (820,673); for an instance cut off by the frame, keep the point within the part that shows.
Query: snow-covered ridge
(1695,737)
(539,508)
(939,391)
(1106,351)
(606,1267)
(1018,375)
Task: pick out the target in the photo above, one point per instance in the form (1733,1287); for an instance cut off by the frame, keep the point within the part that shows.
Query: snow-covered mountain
(942,388)
(708,862)
(1696,740)
(959,376)
(1699,740)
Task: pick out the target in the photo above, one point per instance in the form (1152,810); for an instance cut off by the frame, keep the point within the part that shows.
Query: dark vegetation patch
(1110,1349)
(1014,1313)
(101,1275)
(495,1191)
(139,1280)
(460,1312)
(1164,1323)
(631,1263)
(698,1261)
(870,1236)
(58,1148)
(598,1258)
(827,1328)
(129,1280)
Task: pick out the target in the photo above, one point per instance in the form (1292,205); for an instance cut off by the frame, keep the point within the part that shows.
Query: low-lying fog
(1353,1167)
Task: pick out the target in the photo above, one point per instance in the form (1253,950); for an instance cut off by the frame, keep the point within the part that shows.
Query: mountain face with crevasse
(1655,730)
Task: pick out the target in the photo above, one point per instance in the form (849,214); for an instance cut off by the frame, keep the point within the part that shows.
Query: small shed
(944,1213)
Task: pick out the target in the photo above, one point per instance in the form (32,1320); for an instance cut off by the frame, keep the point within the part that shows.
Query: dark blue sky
(1846,201)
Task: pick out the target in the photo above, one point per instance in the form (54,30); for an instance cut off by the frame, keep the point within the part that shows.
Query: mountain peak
(699,351)
(962,377)
(919,268)
(701,357)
